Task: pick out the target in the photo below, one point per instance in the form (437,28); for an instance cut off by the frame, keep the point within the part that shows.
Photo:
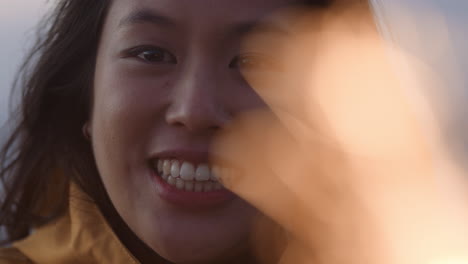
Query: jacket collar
(81,235)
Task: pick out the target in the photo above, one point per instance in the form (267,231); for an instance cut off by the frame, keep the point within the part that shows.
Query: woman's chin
(211,249)
(204,238)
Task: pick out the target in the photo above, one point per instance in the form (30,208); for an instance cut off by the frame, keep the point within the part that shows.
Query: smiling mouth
(189,177)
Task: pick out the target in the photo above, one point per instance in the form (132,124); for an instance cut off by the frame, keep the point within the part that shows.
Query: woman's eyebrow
(260,26)
(272,27)
(146,15)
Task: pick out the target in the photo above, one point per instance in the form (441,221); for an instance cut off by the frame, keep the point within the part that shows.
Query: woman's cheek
(132,92)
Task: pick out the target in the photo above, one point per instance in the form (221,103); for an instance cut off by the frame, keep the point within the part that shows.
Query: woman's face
(167,80)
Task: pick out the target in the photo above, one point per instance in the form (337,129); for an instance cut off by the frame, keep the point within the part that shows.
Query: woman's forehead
(187,14)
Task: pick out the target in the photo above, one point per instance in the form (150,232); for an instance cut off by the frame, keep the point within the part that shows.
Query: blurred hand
(349,158)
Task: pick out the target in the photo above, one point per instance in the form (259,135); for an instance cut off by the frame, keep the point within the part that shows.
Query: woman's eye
(247,62)
(153,55)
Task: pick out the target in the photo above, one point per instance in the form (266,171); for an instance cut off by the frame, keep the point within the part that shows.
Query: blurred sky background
(17,21)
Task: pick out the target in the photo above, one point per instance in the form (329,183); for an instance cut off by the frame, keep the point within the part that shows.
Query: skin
(182,99)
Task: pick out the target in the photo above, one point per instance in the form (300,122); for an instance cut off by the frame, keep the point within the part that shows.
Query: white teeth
(180,184)
(160,165)
(165,176)
(167,167)
(184,175)
(187,171)
(202,173)
(175,169)
(189,186)
(171,180)
(198,187)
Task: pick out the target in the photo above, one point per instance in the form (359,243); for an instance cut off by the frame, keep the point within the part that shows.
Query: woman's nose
(197,102)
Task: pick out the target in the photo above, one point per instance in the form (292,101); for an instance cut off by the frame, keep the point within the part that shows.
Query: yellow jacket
(82,235)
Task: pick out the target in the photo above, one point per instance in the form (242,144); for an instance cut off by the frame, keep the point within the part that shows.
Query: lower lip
(193,200)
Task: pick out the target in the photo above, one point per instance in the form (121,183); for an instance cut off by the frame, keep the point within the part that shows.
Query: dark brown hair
(46,147)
